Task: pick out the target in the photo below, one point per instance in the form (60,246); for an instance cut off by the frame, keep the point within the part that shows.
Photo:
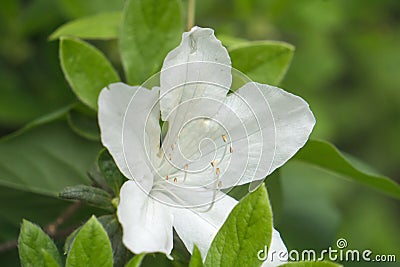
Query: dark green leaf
(100,26)
(263,61)
(149,30)
(86,69)
(91,247)
(324,155)
(247,229)
(135,261)
(196,260)
(84,124)
(110,171)
(89,194)
(45,157)
(311,264)
(114,231)
(35,247)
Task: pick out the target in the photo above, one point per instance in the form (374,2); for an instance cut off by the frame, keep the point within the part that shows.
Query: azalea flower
(215,139)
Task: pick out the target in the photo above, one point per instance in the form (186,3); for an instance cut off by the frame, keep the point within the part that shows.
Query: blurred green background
(346,65)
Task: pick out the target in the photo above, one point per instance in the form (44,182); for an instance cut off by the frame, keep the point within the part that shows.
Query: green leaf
(49,261)
(110,171)
(114,232)
(45,156)
(91,247)
(196,260)
(247,229)
(311,264)
(324,155)
(35,247)
(263,61)
(135,261)
(89,194)
(101,26)
(149,30)
(84,124)
(86,69)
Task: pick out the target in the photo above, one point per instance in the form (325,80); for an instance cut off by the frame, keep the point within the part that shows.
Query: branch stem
(191,10)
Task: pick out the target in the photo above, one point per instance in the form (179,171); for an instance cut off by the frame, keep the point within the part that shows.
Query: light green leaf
(311,264)
(48,259)
(247,230)
(46,156)
(34,245)
(91,247)
(101,26)
(110,171)
(91,195)
(135,261)
(324,155)
(86,69)
(149,30)
(263,61)
(196,260)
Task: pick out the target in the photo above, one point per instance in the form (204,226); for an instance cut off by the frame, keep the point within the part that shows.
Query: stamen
(231,149)
(170,157)
(175,180)
(166,178)
(224,138)
(217,171)
(213,163)
(219,184)
(185,168)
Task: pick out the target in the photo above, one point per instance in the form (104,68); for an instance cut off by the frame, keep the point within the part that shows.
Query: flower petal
(128,119)
(146,223)
(277,252)
(200,58)
(277,125)
(200,227)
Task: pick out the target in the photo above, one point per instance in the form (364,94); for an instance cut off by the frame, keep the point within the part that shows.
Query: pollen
(217,171)
(231,149)
(213,163)
(224,138)
(175,180)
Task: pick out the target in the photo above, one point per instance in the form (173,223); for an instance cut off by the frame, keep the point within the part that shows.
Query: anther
(219,184)
(185,167)
(172,146)
(175,180)
(224,138)
(166,178)
(213,163)
(170,157)
(231,149)
(217,171)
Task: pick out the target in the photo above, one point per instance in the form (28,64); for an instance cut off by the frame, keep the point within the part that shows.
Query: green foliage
(91,247)
(196,260)
(135,261)
(36,248)
(311,264)
(149,30)
(263,61)
(101,26)
(84,124)
(247,229)
(77,60)
(89,194)
(45,157)
(110,171)
(325,155)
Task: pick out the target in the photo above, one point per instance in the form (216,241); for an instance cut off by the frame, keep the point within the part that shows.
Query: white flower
(214,141)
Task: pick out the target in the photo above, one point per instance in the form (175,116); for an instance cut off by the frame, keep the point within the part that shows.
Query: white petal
(128,119)
(200,227)
(200,58)
(277,252)
(146,223)
(277,124)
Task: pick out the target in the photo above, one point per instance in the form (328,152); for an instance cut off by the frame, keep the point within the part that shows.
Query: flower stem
(191,9)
